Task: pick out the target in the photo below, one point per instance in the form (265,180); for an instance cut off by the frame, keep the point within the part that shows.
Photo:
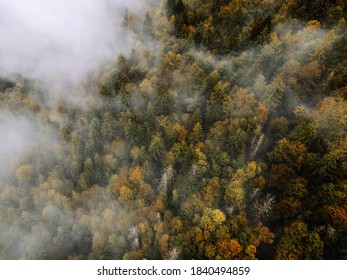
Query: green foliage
(6,84)
(298,242)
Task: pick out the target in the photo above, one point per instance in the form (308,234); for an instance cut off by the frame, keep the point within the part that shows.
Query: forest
(221,133)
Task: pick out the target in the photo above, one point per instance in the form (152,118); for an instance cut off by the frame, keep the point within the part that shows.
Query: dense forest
(220,135)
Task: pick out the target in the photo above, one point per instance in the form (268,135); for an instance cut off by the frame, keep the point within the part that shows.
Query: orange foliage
(338,215)
(125,193)
(136,174)
(228,248)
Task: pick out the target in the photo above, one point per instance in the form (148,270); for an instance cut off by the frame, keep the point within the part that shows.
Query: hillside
(220,135)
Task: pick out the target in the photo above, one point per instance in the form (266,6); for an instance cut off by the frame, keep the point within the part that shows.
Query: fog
(57,44)
(17,134)
(61,40)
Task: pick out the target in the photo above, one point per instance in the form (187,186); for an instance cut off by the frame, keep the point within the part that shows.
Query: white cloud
(17,133)
(60,39)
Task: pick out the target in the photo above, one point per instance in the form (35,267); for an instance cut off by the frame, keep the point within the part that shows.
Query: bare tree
(330,232)
(166,178)
(133,232)
(173,254)
(254,193)
(133,237)
(256,142)
(229,209)
(263,207)
(194,171)
(163,183)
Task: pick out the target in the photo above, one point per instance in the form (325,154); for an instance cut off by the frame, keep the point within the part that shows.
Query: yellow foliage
(99,241)
(23,173)
(125,193)
(211,219)
(210,251)
(313,24)
(163,243)
(201,160)
(251,252)
(142,228)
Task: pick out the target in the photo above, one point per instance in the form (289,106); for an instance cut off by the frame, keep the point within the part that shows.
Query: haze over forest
(173,129)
